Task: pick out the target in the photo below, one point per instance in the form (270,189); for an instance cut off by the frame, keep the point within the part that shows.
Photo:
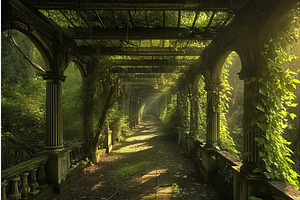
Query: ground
(144,166)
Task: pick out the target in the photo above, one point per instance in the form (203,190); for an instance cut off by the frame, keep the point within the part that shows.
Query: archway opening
(23,99)
(231,105)
(72,103)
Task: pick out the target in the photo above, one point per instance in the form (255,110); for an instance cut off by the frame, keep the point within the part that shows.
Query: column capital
(53,76)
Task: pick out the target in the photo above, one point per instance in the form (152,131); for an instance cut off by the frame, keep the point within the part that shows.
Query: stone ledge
(283,190)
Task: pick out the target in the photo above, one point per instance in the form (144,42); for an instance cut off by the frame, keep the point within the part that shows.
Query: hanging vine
(226,141)
(276,86)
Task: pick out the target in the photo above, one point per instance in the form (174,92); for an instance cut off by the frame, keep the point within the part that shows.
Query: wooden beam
(195,19)
(138,76)
(204,5)
(154,62)
(140,33)
(131,19)
(141,51)
(136,70)
(99,18)
(179,19)
(115,18)
(210,20)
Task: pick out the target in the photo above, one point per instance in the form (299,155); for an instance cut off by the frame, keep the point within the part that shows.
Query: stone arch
(34,36)
(80,65)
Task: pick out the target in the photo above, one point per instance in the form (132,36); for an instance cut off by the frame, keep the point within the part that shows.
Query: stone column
(180,116)
(136,110)
(251,131)
(213,116)
(193,122)
(58,164)
(131,111)
(54,134)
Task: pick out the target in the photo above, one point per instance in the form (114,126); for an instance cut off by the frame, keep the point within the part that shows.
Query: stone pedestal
(209,163)
(190,143)
(246,185)
(57,166)
(109,142)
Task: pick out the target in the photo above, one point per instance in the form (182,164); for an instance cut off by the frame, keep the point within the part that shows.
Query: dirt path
(144,166)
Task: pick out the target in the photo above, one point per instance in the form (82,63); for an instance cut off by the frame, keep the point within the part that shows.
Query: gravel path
(144,166)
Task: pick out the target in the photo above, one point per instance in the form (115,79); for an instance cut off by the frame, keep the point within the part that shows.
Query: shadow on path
(144,166)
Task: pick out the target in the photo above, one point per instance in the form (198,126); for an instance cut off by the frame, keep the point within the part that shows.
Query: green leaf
(262,126)
(260,107)
(292,115)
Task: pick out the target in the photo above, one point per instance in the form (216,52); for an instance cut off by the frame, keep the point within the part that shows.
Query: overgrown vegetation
(23,104)
(276,86)
(226,141)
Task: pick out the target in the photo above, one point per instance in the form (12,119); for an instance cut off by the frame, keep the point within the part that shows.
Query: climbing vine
(226,141)
(276,86)
(202,103)
(276,96)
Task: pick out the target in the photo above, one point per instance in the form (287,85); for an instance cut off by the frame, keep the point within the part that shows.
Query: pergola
(143,42)
(140,37)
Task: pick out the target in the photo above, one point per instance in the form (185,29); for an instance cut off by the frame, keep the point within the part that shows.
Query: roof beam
(155,62)
(165,69)
(138,76)
(205,5)
(141,51)
(99,18)
(141,33)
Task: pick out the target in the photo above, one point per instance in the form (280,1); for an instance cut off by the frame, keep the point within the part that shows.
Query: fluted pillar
(54,134)
(251,131)
(194,109)
(213,116)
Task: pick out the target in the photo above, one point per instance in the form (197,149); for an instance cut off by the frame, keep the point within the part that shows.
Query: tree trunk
(93,144)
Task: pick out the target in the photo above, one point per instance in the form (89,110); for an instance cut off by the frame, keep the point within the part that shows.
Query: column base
(58,165)
(190,143)
(208,163)
(247,185)
(54,148)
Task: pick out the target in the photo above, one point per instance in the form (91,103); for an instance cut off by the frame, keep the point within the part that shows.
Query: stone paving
(145,166)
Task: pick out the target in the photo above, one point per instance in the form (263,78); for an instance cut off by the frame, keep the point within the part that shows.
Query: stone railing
(28,179)
(223,170)
(281,190)
(76,153)
(227,165)
(24,180)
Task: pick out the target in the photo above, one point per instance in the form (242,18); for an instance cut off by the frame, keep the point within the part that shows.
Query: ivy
(276,89)
(226,141)
(202,103)
(276,85)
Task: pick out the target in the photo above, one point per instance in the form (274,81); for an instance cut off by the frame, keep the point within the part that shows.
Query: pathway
(143,167)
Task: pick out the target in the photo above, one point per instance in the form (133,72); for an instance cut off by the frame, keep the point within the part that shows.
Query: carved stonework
(54,76)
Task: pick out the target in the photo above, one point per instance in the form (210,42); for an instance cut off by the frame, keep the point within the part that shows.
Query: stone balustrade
(77,153)
(24,180)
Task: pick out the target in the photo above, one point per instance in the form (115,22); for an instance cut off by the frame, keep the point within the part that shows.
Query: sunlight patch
(134,148)
(96,186)
(140,137)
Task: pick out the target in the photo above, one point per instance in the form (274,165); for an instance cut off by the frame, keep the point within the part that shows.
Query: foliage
(276,86)
(170,117)
(226,141)
(14,67)
(276,96)
(23,110)
(23,114)
(72,105)
(202,103)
